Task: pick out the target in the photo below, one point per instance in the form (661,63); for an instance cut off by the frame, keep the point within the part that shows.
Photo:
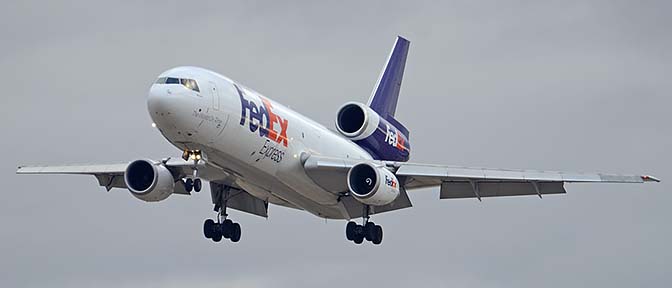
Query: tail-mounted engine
(372,185)
(149,181)
(384,139)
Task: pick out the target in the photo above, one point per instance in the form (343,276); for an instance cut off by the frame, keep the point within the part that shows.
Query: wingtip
(649,178)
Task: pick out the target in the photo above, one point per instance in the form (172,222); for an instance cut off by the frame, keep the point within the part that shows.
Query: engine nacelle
(384,139)
(356,121)
(149,181)
(372,185)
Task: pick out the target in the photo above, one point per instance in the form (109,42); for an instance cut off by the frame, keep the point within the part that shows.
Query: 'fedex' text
(262,118)
(390,182)
(393,138)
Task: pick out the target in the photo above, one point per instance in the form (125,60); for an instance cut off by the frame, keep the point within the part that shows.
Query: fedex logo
(390,182)
(393,138)
(262,118)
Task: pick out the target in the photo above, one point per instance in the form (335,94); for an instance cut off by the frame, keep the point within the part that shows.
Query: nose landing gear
(194,183)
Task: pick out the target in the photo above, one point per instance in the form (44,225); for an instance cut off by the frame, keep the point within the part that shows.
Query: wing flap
(454,189)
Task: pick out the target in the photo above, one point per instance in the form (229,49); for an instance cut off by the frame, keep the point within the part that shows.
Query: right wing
(108,175)
(112,175)
(221,182)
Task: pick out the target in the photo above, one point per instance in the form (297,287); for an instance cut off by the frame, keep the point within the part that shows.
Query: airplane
(254,151)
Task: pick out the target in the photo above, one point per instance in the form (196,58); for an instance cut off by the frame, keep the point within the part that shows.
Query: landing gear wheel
(226,228)
(358,239)
(235,232)
(208,228)
(377,235)
(369,228)
(197,185)
(350,231)
(217,237)
(188,184)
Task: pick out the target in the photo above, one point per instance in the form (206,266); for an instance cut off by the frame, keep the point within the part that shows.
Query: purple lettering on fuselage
(261,118)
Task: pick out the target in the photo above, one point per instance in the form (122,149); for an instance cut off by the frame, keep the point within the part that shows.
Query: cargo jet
(254,152)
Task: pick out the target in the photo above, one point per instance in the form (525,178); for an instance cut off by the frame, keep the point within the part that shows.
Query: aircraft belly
(302,194)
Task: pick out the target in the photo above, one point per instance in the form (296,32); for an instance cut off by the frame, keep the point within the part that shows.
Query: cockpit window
(189,83)
(170,80)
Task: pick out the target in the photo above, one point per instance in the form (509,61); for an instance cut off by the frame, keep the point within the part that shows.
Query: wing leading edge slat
(116,169)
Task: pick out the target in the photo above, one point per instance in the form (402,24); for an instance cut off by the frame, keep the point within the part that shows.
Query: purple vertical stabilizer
(385,94)
(374,128)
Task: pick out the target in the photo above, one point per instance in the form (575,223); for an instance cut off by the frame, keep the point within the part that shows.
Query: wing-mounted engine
(149,181)
(384,139)
(372,185)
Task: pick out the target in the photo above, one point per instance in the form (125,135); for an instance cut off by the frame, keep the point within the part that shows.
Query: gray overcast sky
(562,85)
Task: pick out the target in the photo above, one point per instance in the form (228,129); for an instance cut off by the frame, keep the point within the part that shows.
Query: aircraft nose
(158,101)
(164,106)
(171,112)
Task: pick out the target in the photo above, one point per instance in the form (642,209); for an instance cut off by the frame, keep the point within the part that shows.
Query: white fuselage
(226,121)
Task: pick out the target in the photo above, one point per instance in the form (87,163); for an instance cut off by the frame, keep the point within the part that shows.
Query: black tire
(227,228)
(198,185)
(208,228)
(358,239)
(235,232)
(350,230)
(378,235)
(217,238)
(188,184)
(369,231)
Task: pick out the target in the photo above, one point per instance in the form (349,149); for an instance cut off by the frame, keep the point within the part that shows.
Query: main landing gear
(368,230)
(223,227)
(193,183)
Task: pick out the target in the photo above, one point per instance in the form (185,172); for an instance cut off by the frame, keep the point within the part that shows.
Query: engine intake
(149,181)
(372,185)
(383,137)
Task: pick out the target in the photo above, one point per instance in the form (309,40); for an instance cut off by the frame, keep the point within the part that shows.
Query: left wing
(464,182)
